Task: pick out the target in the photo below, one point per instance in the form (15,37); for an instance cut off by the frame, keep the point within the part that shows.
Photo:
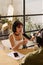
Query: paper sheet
(30,44)
(11,54)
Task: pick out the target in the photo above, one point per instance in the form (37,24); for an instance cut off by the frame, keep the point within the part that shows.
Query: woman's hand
(25,41)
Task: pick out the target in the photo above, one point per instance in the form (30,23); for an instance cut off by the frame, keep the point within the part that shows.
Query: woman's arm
(11,40)
(15,47)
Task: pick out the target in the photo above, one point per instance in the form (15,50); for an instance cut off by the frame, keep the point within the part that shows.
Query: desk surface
(6,60)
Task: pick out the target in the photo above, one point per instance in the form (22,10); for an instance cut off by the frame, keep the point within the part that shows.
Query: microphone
(28,37)
(24,46)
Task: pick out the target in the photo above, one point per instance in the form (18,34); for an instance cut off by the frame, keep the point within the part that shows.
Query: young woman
(16,38)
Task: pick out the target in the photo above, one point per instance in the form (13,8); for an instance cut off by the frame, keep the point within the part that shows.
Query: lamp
(10,10)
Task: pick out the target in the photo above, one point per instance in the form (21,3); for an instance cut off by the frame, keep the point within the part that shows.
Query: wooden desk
(6,60)
(25,51)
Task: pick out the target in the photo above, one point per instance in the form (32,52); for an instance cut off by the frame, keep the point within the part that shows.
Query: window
(30,13)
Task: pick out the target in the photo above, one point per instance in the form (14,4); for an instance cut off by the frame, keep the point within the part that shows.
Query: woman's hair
(16,24)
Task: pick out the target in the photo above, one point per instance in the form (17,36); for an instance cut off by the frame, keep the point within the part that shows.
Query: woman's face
(19,29)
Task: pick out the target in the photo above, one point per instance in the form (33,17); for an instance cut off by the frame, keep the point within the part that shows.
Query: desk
(25,51)
(6,60)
